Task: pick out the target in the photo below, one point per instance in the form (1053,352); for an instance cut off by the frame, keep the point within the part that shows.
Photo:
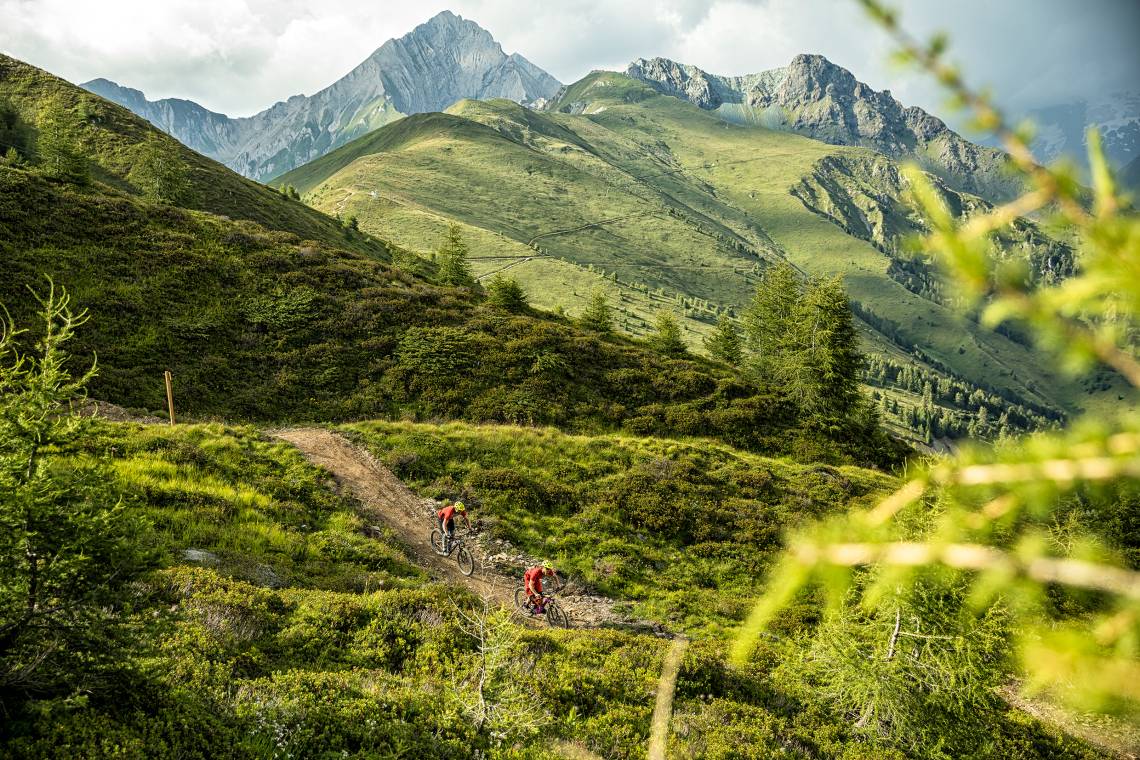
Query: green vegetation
(667,335)
(1026,551)
(681,527)
(260,323)
(802,336)
(77,135)
(725,344)
(256,324)
(160,175)
(665,206)
(204,591)
(68,551)
(598,316)
(278,628)
(682,530)
(454,269)
(506,293)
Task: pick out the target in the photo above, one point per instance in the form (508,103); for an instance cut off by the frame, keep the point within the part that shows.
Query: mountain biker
(447,521)
(532,579)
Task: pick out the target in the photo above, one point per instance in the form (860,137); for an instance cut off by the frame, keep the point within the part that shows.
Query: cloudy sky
(240,56)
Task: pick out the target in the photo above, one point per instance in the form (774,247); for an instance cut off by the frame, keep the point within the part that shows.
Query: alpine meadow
(451,411)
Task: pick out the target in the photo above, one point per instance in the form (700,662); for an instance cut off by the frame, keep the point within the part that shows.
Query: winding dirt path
(385,500)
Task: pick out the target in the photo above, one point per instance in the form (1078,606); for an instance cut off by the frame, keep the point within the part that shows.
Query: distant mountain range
(439,62)
(449,58)
(1062,128)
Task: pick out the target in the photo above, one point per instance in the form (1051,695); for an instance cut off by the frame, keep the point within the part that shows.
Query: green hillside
(270,626)
(669,207)
(262,323)
(257,581)
(109,142)
(582,500)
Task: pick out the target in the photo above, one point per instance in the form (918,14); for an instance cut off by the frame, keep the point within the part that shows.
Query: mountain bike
(556,617)
(445,547)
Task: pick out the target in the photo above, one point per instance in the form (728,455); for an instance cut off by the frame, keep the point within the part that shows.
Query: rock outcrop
(439,62)
(815,98)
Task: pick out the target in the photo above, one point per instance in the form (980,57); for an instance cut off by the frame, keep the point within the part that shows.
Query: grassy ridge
(110,140)
(263,322)
(255,323)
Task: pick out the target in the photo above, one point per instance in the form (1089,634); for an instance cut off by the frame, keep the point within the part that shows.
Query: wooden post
(170,395)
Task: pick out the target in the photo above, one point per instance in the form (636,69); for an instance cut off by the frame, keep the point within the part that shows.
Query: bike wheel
(520,600)
(556,616)
(437,542)
(465,560)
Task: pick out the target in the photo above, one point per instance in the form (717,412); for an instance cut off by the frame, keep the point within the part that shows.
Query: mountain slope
(257,322)
(110,142)
(667,206)
(434,65)
(201,130)
(814,97)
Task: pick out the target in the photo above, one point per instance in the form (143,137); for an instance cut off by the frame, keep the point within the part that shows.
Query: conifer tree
(598,315)
(803,338)
(158,173)
(832,344)
(57,152)
(67,547)
(507,294)
(454,268)
(725,344)
(771,314)
(667,335)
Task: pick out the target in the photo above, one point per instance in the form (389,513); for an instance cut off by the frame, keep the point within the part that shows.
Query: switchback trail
(385,500)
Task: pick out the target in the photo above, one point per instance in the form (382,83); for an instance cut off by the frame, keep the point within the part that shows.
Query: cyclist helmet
(459,507)
(547,565)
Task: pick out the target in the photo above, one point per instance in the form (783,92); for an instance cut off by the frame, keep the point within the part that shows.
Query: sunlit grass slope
(677,208)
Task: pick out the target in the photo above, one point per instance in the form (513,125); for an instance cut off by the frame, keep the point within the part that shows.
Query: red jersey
(533,575)
(446,513)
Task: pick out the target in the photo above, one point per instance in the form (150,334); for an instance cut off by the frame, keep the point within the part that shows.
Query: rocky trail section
(385,501)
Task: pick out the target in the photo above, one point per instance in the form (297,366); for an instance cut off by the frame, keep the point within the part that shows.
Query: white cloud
(239,56)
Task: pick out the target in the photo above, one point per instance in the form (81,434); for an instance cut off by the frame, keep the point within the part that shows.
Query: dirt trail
(385,500)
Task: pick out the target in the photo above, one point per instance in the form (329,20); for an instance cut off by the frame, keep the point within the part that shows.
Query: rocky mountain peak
(819,99)
(446,31)
(443,60)
(682,81)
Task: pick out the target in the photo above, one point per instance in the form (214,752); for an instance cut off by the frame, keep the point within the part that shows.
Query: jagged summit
(443,60)
(814,97)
